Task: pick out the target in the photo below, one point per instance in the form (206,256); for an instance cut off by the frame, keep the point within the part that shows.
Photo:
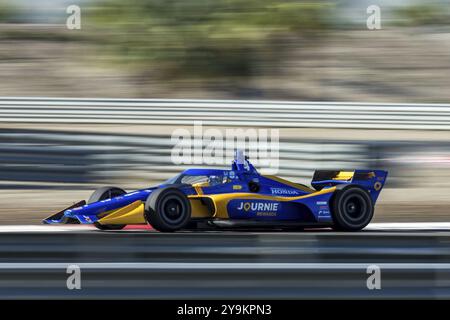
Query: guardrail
(77,157)
(278,114)
(57,156)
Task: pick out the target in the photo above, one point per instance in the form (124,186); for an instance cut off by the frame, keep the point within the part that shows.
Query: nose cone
(73,211)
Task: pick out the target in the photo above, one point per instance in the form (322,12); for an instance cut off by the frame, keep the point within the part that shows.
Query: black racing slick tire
(167,209)
(352,209)
(109,226)
(104,193)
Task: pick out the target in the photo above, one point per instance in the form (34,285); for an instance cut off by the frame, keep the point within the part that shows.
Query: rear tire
(167,209)
(352,209)
(104,193)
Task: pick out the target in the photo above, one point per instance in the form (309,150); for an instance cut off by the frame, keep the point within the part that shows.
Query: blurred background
(54,152)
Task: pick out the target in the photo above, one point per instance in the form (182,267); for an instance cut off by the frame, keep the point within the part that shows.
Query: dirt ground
(391,65)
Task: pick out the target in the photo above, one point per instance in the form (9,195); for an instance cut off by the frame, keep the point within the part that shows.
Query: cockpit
(200,180)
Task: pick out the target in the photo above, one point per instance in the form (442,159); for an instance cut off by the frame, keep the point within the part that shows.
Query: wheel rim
(355,208)
(172,209)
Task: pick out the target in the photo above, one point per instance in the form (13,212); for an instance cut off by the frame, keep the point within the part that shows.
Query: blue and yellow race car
(238,197)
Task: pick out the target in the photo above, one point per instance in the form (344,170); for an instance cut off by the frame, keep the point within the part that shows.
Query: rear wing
(371,180)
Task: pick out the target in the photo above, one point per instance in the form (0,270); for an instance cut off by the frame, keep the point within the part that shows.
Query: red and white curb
(61,228)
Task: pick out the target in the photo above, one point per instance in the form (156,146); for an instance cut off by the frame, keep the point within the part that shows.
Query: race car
(239,197)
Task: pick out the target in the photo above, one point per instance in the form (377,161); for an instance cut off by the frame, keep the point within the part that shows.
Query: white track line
(397,226)
(45,228)
(409,226)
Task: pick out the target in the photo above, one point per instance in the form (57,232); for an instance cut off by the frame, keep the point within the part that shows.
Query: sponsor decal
(283,191)
(258,206)
(237,187)
(377,186)
(266,214)
(321,203)
(87,219)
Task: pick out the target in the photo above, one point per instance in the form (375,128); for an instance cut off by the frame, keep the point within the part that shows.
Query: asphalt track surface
(413,261)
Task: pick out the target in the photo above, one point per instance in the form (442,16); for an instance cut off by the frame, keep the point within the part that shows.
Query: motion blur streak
(379,98)
(55,150)
(266,49)
(224,265)
(384,104)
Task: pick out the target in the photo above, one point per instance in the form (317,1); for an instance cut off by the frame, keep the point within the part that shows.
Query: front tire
(352,209)
(104,193)
(167,209)
(109,226)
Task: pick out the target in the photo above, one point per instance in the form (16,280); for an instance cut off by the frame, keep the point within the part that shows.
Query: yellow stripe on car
(289,183)
(198,189)
(198,209)
(130,214)
(344,175)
